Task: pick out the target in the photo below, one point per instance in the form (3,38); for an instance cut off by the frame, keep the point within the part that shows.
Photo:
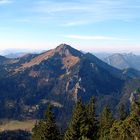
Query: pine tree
(92,120)
(135,109)
(38,131)
(46,129)
(129,128)
(77,128)
(134,119)
(106,121)
(120,131)
(122,112)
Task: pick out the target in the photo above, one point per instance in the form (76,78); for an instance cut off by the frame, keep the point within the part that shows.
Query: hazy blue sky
(89,25)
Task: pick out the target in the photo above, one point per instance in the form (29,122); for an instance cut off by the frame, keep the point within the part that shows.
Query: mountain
(15,55)
(60,76)
(102,55)
(124,61)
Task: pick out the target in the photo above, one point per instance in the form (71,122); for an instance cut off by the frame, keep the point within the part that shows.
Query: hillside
(59,76)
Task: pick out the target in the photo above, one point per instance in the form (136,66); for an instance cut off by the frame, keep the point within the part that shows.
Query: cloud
(5,1)
(23,20)
(81,37)
(75,23)
(56,7)
(76,12)
(72,13)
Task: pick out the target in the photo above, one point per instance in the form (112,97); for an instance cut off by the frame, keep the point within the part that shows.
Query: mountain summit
(68,55)
(65,49)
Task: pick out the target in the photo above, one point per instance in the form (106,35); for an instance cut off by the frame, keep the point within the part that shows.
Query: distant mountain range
(124,61)
(102,55)
(60,76)
(15,53)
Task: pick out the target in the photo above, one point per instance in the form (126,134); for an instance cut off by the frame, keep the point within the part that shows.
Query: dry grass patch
(15,125)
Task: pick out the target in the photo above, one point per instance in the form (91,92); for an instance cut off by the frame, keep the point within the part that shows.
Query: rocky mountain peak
(63,49)
(66,50)
(68,55)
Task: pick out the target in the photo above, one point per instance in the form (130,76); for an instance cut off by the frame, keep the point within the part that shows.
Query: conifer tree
(122,112)
(129,128)
(46,129)
(38,131)
(120,130)
(77,128)
(92,120)
(134,119)
(135,109)
(106,121)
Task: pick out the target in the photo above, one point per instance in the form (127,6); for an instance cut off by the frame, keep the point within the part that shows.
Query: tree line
(86,125)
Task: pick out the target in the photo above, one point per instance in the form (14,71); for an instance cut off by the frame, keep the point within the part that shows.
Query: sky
(88,25)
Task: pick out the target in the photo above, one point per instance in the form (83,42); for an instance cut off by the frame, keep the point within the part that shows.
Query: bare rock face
(133,97)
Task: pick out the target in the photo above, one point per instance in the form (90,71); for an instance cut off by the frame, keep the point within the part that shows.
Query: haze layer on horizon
(97,26)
